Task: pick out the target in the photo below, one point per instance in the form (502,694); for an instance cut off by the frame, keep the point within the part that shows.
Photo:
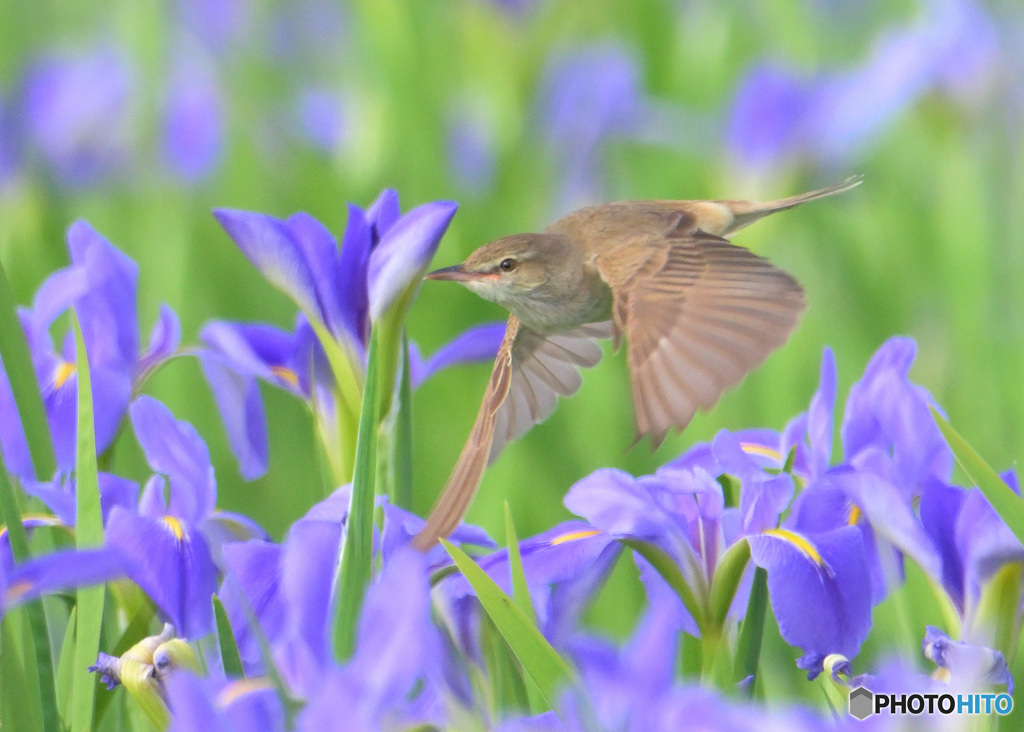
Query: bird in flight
(698,314)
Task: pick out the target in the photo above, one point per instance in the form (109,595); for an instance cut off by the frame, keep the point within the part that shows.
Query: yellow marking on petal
(854,516)
(64,372)
(942,674)
(285,374)
(574,536)
(237,689)
(18,590)
(799,542)
(754,449)
(175,526)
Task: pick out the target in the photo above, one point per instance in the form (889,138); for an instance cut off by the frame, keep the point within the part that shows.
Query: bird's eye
(507,265)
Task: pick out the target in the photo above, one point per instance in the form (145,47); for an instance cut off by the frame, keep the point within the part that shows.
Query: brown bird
(698,314)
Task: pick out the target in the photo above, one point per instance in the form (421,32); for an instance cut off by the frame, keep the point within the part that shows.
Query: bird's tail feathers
(747,212)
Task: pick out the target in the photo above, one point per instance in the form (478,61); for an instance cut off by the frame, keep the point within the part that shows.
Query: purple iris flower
(779,115)
(10,144)
(78,114)
(288,586)
(586,97)
(60,570)
(321,119)
(471,150)
(101,285)
(382,254)
(170,544)
(193,117)
(218,705)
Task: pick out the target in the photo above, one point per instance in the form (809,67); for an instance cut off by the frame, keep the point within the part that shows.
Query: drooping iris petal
(940,510)
(405,251)
(170,560)
(251,585)
(163,340)
(479,343)
(968,667)
(13,444)
(819,589)
(269,245)
(60,570)
(114,491)
(193,705)
(107,311)
(175,449)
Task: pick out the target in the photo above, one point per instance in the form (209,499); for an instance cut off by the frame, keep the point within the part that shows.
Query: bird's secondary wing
(698,313)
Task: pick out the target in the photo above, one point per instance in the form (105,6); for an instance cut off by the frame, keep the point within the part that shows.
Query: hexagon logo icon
(862,703)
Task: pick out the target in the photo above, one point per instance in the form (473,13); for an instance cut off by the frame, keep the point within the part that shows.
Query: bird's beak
(456,274)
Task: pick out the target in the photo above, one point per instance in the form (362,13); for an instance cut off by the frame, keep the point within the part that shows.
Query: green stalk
(357,539)
(89,533)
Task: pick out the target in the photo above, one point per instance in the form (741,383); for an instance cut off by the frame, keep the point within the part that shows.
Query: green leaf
(65,667)
(229,655)
(89,533)
(41,682)
(748,647)
(540,661)
(521,595)
(357,539)
(726,580)
(347,380)
(17,362)
(19,708)
(1007,504)
(402,443)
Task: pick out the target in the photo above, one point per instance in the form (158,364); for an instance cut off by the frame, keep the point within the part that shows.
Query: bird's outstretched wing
(530,372)
(698,314)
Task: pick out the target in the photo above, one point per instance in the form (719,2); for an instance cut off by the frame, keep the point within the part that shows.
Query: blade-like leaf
(521,595)
(229,655)
(357,539)
(89,533)
(41,682)
(726,581)
(17,362)
(1007,504)
(348,382)
(402,442)
(748,647)
(540,661)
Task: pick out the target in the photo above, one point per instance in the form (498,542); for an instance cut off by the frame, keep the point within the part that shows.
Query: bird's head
(514,269)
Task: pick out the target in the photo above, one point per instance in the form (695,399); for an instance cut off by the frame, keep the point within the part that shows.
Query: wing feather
(699,313)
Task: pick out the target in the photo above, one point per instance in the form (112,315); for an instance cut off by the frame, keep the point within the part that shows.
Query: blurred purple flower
(586,96)
(10,144)
(321,119)
(471,150)
(778,115)
(78,114)
(177,525)
(965,666)
(193,117)
(101,285)
(217,22)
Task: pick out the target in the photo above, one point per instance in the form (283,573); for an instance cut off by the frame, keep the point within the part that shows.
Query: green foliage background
(928,246)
